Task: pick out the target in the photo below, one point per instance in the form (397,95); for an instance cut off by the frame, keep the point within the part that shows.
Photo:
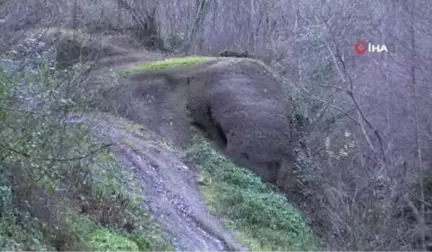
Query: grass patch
(260,217)
(100,238)
(168,64)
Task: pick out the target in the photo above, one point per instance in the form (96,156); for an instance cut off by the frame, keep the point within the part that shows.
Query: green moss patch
(168,64)
(101,238)
(260,217)
(105,240)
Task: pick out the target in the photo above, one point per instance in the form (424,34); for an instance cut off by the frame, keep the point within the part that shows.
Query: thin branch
(346,78)
(28,156)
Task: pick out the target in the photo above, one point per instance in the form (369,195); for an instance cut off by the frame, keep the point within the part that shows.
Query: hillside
(200,125)
(154,135)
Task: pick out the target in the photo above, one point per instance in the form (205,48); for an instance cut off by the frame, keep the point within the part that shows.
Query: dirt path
(171,194)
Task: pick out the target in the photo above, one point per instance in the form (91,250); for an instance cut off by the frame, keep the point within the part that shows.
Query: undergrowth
(261,218)
(60,188)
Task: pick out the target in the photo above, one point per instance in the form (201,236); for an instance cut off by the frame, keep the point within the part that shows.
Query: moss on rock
(168,64)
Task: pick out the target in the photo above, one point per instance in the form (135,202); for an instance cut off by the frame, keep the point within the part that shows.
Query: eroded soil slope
(171,194)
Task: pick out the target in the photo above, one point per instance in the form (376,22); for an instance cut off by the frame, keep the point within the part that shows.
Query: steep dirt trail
(171,194)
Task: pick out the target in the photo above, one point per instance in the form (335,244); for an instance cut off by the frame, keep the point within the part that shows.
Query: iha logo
(362,46)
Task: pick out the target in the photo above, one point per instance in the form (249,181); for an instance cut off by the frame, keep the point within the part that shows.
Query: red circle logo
(360,47)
